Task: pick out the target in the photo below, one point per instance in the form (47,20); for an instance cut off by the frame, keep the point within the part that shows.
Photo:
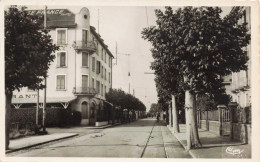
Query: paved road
(143,138)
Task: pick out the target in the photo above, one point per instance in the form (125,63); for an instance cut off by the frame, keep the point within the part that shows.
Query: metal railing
(89,46)
(84,90)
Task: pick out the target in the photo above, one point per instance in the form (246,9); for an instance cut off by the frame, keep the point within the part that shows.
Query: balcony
(88,46)
(84,91)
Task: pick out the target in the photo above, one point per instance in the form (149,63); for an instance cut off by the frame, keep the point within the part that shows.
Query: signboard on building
(56,17)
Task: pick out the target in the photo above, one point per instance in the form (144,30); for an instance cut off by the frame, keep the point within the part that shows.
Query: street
(140,139)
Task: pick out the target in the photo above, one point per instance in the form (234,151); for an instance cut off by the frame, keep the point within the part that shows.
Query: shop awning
(48,100)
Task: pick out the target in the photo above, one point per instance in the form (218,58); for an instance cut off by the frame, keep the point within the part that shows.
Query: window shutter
(58,59)
(93,63)
(62,59)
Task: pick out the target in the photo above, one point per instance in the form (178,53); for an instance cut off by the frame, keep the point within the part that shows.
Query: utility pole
(37,110)
(98,21)
(116,53)
(128,73)
(45,81)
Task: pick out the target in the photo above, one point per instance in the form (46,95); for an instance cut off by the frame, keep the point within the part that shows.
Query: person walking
(158,117)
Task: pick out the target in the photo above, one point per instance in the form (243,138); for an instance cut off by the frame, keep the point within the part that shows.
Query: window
(109,77)
(84,59)
(31,90)
(93,82)
(98,86)
(101,71)
(84,81)
(105,74)
(105,57)
(60,84)
(61,59)
(101,89)
(84,37)
(109,63)
(61,36)
(102,52)
(98,67)
(93,64)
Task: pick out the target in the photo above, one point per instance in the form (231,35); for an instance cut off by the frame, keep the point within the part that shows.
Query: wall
(203,124)
(214,127)
(242,132)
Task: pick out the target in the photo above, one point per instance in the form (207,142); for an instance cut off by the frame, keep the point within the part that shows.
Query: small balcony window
(84,59)
(98,67)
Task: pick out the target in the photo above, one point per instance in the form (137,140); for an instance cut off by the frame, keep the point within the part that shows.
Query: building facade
(81,73)
(241,81)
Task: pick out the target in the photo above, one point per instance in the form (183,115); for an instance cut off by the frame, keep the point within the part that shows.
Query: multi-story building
(241,81)
(81,73)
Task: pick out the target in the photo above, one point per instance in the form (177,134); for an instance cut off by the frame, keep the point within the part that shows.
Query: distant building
(81,73)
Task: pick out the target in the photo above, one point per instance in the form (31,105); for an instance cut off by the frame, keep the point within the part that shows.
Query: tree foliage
(154,108)
(124,100)
(28,50)
(28,54)
(197,43)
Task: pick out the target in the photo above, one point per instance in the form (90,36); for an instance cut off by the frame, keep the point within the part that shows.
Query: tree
(28,54)
(203,46)
(126,101)
(154,108)
(168,83)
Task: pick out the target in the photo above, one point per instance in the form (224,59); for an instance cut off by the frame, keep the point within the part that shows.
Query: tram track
(148,140)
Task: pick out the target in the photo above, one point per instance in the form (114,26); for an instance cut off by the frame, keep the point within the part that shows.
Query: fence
(210,115)
(233,121)
(240,115)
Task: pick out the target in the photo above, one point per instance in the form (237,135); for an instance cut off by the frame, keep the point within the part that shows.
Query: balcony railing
(84,91)
(88,46)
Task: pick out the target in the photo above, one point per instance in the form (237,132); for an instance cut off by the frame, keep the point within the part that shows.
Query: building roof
(100,40)
(48,100)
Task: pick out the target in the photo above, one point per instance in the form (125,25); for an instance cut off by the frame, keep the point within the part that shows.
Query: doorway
(92,114)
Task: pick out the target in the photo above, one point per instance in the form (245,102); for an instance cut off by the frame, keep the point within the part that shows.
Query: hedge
(55,117)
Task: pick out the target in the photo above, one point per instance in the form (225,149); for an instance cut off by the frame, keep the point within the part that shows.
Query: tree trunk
(170,115)
(191,124)
(176,128)
(167,116)
(8,100)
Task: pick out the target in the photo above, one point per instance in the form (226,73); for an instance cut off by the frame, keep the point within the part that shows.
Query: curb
(104,127)
(109,126)
(183,145)
(22,148)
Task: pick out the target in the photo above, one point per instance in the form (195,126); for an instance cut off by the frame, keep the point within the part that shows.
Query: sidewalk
(26,142)
(214,146)
(55,133)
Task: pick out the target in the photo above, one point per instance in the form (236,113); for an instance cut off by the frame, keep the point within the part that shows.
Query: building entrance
(92,114)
